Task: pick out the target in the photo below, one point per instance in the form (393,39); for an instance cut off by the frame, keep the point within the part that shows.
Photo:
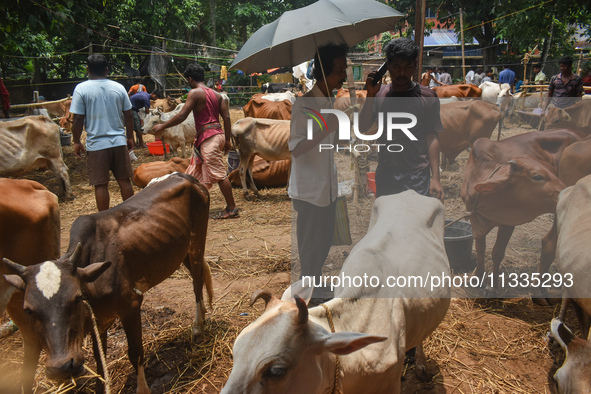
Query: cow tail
(208,281)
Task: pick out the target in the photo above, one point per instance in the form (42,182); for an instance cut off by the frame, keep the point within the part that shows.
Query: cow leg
(500,123)
(245,165)
(60,170)
(563,309)
(548,248)
(201,275)
(163,146)
(32,351)
(498,253)
(480,229)
(546,258)
(100,368)
(132,325)
(421,365)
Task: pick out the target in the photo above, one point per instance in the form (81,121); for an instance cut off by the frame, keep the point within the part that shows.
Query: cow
(260,107)
(463,123)
(278,87)
(156,169)
(575,162)
(574,376)
(33,142)
(572,260)
(29,233)
(168,104)
(176,136)
(463,90)
(113,258)
(57,109)
(266,137)
(500,95)
(290,349)
(511,182)
(264,173)
(576,117)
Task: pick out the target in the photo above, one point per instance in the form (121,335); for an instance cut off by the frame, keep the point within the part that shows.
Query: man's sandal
(229,214)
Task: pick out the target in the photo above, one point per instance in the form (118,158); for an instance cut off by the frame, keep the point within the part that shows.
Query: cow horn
(514,165)
(76,254)
(13,267)
(264,294)
(302,310)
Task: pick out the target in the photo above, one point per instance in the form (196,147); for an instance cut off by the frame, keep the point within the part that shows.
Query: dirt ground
(482,346)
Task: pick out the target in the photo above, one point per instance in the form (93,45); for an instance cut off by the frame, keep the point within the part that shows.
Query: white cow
(266,137)
(33,142)
(499,94)
(280,97)
(176,136)
(572,258)
(291,349)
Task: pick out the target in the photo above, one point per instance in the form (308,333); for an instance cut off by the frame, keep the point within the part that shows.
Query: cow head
(54,308)
(518,191)
(281,351)
(504,98)
(152,119)
(556,116)
(575,374)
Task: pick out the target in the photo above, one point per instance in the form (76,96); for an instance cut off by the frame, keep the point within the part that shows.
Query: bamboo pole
(462,38)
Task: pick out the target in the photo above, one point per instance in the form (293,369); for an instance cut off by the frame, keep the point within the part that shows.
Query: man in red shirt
(207,162)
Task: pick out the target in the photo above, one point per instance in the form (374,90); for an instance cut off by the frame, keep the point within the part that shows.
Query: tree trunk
(547,46)
(213,35)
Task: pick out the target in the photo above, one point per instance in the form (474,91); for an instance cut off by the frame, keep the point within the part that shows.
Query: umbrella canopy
(294,37)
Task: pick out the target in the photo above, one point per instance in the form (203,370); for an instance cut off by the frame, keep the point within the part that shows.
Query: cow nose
(65,370)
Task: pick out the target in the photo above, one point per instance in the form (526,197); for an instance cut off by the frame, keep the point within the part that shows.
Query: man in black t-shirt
(416,166)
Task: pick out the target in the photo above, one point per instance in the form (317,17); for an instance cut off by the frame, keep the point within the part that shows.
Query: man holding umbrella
(313,180)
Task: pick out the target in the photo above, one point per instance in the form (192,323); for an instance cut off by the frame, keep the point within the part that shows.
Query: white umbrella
(295,35)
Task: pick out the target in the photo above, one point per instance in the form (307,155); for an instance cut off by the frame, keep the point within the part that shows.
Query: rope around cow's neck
(100,349)
(337,371)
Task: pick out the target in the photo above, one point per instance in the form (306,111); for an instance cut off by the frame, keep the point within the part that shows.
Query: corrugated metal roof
(443,37)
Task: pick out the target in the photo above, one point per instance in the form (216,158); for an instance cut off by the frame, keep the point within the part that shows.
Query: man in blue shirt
(507,76)
(138,101)
(103,108)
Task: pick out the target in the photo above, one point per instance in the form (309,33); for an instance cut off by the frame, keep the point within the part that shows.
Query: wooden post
(36,96)
(462,38)
(90,49)
(164,76)
(419,35)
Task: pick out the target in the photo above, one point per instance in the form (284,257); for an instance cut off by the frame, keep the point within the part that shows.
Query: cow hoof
(422,374)
(197,334)
(541,301)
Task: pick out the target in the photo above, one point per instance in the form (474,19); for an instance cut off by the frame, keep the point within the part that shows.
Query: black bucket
(458,245)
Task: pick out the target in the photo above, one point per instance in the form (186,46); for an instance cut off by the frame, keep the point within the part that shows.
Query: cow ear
(491,186)
(93,271)
(305,293)
(16,281)
(561,333)
(342,343)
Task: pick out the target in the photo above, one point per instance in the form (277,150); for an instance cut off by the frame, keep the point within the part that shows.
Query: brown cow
(264,173)
(54,110)
(464,90)
(30,234)
(501,191)
(261,107)
(266,137)
(30,143)
(113,258)
(155,169)
(463,123)
(168,104)
(576,117)
(575,162)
